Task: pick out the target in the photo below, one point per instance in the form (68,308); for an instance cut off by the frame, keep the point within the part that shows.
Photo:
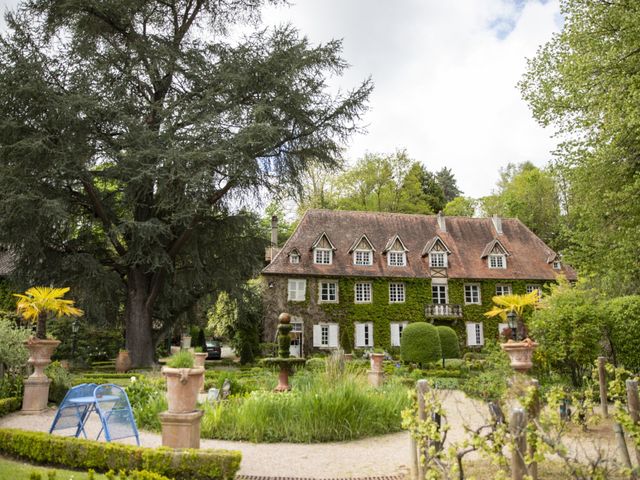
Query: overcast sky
(445,75)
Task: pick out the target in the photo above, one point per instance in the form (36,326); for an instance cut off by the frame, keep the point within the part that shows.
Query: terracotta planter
(185,342)
(376,361)
(36,387)
(520,354)
(174,350)
(183,385)
(123,362)
(199,362)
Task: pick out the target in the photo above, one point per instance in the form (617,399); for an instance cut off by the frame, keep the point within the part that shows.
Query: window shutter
(370,334)
(481,333)
(395,335)
(360,335)
(302,288)
(317,336)
(333,336)
(471,334)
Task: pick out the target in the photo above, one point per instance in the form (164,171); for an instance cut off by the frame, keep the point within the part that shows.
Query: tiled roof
(7,262)
(465,237)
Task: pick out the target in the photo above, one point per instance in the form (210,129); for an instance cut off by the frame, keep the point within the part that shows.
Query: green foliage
(9,405)
(449,342)
(569,328)
(181,359)
(420,343)
(460,207)
(623,318)
(93,342)
(242,382)
(318,409)
(148,399)
(13,356)
(61,381)
(100,456)
(7,300)
(491,382)
(447,182)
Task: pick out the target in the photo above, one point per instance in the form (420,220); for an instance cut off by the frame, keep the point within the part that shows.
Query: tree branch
(101,213)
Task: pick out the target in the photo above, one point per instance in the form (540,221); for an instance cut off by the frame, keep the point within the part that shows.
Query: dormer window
(438,259)
(497,261)
(294,258)
(557,265)
(396,259)
(396,252)
(363,257)
(323,256)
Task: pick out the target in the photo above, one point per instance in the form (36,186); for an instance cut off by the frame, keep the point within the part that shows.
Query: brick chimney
(497,224)
(274,231)
(442,222)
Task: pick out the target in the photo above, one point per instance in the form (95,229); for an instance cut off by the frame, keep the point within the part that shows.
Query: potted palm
(37,305)
(512,308)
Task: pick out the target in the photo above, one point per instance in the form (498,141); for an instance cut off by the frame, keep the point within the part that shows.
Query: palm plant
(519,304)
(37,303)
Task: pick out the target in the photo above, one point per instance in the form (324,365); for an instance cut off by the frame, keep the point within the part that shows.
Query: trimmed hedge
(83,454)
(8,405)
(420,343)
(449,342)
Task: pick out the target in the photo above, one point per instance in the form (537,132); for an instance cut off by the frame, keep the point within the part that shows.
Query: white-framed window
(363,257)
(323,256)
(503,289)
(363,293)
(364,335)
(438,259)
(497,260)
(475,334)
(439,294)
(396,293)
(472,294)
(557,265)
(294,258)
(297,289)
(396,259)
(325,335)
(328,292)
(396,332)
(534,288)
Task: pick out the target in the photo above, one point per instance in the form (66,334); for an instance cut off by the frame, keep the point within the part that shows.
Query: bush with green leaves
(182,359)
(147,397)
(420,344)
(448,342)
(13,356)
(61,381)
(491,382)
(623,321)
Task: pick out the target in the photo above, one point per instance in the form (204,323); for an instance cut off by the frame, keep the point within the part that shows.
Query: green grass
(320,408)
(21,471)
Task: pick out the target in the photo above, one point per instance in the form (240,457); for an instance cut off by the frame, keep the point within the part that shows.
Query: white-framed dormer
(294,256)
(396,252)
(362,251)
(438,253)
(323,250)
(554,259)
(496,254)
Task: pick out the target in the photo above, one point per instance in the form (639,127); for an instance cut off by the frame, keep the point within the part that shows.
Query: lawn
(22,471)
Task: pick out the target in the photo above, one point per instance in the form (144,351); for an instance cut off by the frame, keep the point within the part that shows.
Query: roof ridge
(402,214)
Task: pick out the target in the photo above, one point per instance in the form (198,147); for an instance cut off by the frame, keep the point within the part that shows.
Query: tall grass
(322,407)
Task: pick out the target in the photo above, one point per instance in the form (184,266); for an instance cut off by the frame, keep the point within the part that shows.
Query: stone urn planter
(183,385)
(376,361)
(520,354)
(174,350)
(123,362)
(185,342)
(199,362)
(36,387)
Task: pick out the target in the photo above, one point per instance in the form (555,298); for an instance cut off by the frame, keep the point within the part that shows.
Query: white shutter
(360,335)
(370,344)
(333,336)
(302,289)
(471,334)
(317,336)
(481,333)
(395,334)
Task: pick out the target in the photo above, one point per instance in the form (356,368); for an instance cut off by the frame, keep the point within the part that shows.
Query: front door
(295,350)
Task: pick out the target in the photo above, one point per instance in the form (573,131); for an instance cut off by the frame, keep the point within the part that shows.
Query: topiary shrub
(448,342)
(61,381)
(420,343)
(623,315)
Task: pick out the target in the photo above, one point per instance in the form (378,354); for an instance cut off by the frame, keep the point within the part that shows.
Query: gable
(436,244)
(395,245)
(363,243)
(323,242)
(494,248)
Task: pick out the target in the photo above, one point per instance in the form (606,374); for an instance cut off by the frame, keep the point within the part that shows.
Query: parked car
(214,350)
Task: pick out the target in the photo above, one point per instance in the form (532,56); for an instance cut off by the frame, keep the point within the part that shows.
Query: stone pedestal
(376,378)
(520,354)
(200,362)
(36,395)
(181,430)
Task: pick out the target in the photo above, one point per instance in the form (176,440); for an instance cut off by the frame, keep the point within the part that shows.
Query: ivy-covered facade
(355,279)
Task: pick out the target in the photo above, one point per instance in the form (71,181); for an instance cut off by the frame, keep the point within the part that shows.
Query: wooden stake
(422,386)
(633,403)
(602,378)
(622,444)
(534,412)
(517,427)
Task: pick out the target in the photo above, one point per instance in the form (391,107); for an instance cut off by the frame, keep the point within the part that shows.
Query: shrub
(448,342)
(420,343)
(182,359)
(78,453)
(13,356)
(315,364)
(491,383)
(8,405)
(624,323)
(61,381)
(148,399)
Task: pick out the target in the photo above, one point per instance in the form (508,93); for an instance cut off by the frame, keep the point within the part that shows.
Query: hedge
(420,343)
(83,454)
(449,342)
(8,405)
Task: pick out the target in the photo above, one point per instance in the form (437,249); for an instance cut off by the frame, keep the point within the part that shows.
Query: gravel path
(387,455)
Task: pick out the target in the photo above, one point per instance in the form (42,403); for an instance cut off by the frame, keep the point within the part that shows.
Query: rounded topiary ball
(284,318)
(448,342)
(420,343)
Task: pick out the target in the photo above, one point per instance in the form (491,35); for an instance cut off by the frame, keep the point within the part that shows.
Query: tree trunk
(139,341)
(41,329)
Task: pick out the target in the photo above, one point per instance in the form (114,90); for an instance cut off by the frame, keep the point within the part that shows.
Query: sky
(445,75)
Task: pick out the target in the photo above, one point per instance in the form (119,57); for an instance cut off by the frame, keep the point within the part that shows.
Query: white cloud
(445,77)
